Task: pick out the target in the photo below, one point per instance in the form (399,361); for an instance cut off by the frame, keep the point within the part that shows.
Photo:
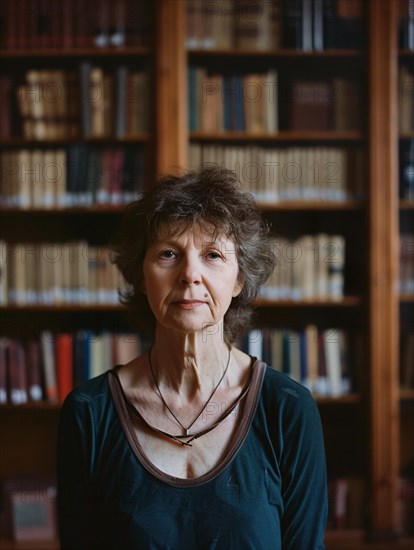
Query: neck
(189,364)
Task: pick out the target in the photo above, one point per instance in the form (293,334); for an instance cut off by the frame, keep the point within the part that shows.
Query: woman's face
(190,279)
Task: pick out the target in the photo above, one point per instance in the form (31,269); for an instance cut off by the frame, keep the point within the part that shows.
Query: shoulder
(92,397)
(281,387)
(286,399)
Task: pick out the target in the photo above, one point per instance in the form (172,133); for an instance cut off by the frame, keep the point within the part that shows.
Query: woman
(194,444)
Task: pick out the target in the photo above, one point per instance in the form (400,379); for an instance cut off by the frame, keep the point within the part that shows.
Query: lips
(188,304)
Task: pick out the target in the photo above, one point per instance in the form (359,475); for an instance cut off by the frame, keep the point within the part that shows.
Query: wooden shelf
(347,301)
(406,205)
(29,545)
(405,53)
(233,52)
(69,210)
(347,399)
(406,298)
(406,394)
(311,205)
(20,142)
(282,136)
(31,406)
(350,205)
(31,53)
(355,539)
(62,308)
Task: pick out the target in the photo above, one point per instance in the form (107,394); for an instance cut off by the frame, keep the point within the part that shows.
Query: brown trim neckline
(252,395)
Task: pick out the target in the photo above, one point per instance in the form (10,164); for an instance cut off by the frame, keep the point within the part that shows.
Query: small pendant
(186,431)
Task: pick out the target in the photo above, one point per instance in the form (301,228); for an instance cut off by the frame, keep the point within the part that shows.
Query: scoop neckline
(251,401)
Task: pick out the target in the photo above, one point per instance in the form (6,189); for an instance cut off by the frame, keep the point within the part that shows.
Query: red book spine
(10,33)
(67,8)
(22,26)
(83,24)
(44,23)
(64,365)
(56,24)
(32,14)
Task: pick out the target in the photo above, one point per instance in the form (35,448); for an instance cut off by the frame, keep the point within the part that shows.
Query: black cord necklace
(179,438)
(186,430)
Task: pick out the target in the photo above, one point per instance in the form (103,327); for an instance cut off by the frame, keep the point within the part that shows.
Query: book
(406,169)
(333,362)
(311,105)
(17,373)
(49,365)
(64,365)
(292,24)
(30,508)
(3,372)
(34,371)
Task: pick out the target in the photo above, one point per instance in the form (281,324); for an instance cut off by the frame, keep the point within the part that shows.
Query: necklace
(186,430)
(180,438)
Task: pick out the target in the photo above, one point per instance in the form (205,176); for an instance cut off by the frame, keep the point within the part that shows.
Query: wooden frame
(383,271)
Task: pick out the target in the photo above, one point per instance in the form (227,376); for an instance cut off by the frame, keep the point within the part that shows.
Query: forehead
(199,235)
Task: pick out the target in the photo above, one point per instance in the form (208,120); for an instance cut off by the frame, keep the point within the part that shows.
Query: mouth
(188,304)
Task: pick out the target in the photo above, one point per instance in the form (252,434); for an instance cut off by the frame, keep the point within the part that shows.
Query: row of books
(75,24)
(80,175)
(246,103)
(318,359)
(58,273)
(406,282)
(406,98)
(308,268)
(311,267)
(86,102)
(250,103)
(406,169)
(288,173)
(406,24)
(47,368)
(305,25)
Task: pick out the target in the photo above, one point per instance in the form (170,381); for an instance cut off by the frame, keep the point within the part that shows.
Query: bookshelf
(368,429)
(405,279)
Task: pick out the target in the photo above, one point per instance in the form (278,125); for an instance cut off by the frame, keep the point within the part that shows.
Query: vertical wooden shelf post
(171,89)
(383,231)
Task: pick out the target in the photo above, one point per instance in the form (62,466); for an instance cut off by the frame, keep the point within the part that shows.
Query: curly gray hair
(212,200)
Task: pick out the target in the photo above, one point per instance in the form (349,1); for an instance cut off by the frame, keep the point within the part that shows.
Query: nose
(190,271)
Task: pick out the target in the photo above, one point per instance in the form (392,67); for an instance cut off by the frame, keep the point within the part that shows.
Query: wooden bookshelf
(44,53)
(373,411)
(282,136)
(281,53)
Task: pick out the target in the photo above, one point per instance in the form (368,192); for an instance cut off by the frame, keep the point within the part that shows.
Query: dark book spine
(292,24)
(406,190)
(329,24)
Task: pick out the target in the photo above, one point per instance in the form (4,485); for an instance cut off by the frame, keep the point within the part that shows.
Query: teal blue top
(268,492)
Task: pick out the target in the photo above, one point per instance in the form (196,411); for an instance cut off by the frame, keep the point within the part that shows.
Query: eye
(213,255)
(168,254)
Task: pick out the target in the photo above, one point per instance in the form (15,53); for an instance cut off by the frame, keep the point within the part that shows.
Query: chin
(190,326)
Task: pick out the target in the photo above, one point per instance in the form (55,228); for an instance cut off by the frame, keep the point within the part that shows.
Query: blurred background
(311,103)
